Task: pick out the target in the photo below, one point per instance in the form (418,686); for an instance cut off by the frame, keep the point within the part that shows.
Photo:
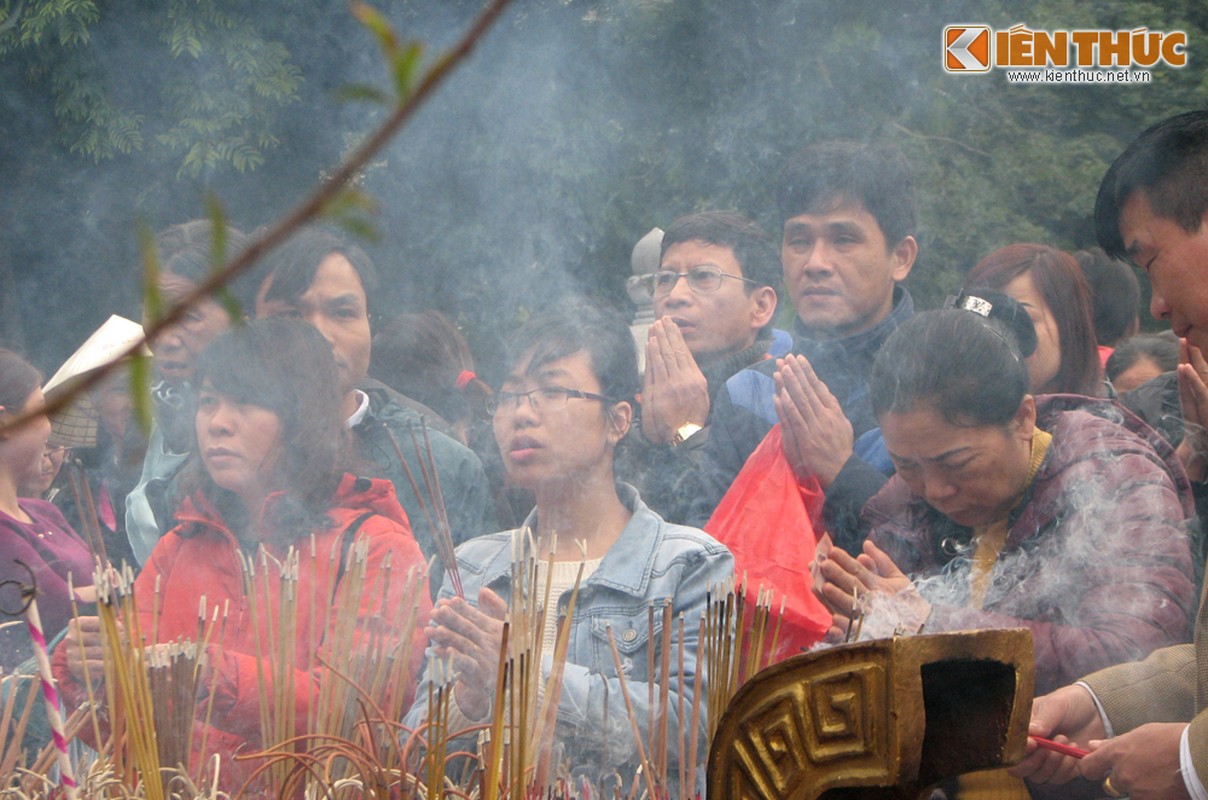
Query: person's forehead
(547,369)
(838,212)
(335,279)
(174,287)
(700,250)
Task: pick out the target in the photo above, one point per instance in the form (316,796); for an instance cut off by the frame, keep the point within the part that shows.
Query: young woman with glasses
(566,402)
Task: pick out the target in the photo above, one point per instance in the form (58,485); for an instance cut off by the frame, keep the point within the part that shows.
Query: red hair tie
(464,378)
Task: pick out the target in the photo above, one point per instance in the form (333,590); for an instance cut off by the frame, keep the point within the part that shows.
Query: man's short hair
(752,247)
(187,250)
(292,266)
(1169,162)
(826,175)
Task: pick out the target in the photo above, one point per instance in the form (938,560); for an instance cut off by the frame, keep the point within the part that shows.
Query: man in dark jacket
(849,219)
(319,277)
(714,297)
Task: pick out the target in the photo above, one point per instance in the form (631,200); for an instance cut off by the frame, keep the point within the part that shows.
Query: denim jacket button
(629,635)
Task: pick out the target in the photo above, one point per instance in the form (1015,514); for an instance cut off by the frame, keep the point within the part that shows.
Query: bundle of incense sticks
(346,739)
(134,741)
(737,638)
(355,672)
(434,506)
(172,674)
(18,695)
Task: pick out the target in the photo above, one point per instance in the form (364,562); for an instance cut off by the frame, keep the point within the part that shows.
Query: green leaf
(405,65)
(153,307)
(140,389)
(373,20)
(218,256)
(359,92)
(361,228)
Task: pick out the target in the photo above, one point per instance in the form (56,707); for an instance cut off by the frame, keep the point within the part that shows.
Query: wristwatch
(685,432)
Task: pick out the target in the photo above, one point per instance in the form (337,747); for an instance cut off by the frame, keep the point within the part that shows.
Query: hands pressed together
(471,637)
(674,390)
(846,584)
(816,435)
(1193,398)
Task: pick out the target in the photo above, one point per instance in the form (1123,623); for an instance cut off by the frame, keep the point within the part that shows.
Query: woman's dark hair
(1160,348)
(1115,295)
(965,366)
(1060,282)
(603,334)
(425,357)
(285,366)
(17,381)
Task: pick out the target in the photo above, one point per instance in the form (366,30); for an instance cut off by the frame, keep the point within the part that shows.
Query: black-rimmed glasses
(701,279)
(546,397)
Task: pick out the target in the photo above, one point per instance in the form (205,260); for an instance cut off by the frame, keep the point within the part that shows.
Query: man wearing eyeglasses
(714,297)
(848,242)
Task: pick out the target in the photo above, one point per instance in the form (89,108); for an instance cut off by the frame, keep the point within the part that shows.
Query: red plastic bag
(771,523)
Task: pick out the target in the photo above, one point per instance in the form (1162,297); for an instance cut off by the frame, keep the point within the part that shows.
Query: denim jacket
(650,561)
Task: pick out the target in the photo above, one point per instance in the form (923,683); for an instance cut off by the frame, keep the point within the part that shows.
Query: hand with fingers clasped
(869,585)
(471,637)
(674,390)
(1193,399)
(817,438)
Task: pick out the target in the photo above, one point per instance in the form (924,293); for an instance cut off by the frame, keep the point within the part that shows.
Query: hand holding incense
(1058,747)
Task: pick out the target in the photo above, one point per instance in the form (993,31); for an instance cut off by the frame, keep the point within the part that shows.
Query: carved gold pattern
(855,716)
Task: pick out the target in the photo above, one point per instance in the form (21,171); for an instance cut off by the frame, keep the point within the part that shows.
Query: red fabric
(771,522)
(201,557)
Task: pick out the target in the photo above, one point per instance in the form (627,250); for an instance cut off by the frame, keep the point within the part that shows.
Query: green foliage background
(576,128)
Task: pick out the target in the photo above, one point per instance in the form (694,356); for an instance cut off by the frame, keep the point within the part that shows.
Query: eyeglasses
(701,279)
(547,397)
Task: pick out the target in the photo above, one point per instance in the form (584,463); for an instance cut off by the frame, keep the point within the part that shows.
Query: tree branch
(310,208)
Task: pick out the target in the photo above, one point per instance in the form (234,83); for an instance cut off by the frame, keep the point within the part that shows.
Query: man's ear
(763,306)
(904,253)
(620,416)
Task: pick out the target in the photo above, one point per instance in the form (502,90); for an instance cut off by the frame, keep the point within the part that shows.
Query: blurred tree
(205,94)
(578,126)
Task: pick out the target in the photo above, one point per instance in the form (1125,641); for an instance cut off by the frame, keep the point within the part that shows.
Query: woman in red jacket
(269,484)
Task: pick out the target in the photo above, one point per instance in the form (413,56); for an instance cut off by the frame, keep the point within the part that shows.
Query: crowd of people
(1021,457)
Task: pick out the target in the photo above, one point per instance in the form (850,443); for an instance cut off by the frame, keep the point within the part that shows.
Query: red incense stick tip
(1058,747)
